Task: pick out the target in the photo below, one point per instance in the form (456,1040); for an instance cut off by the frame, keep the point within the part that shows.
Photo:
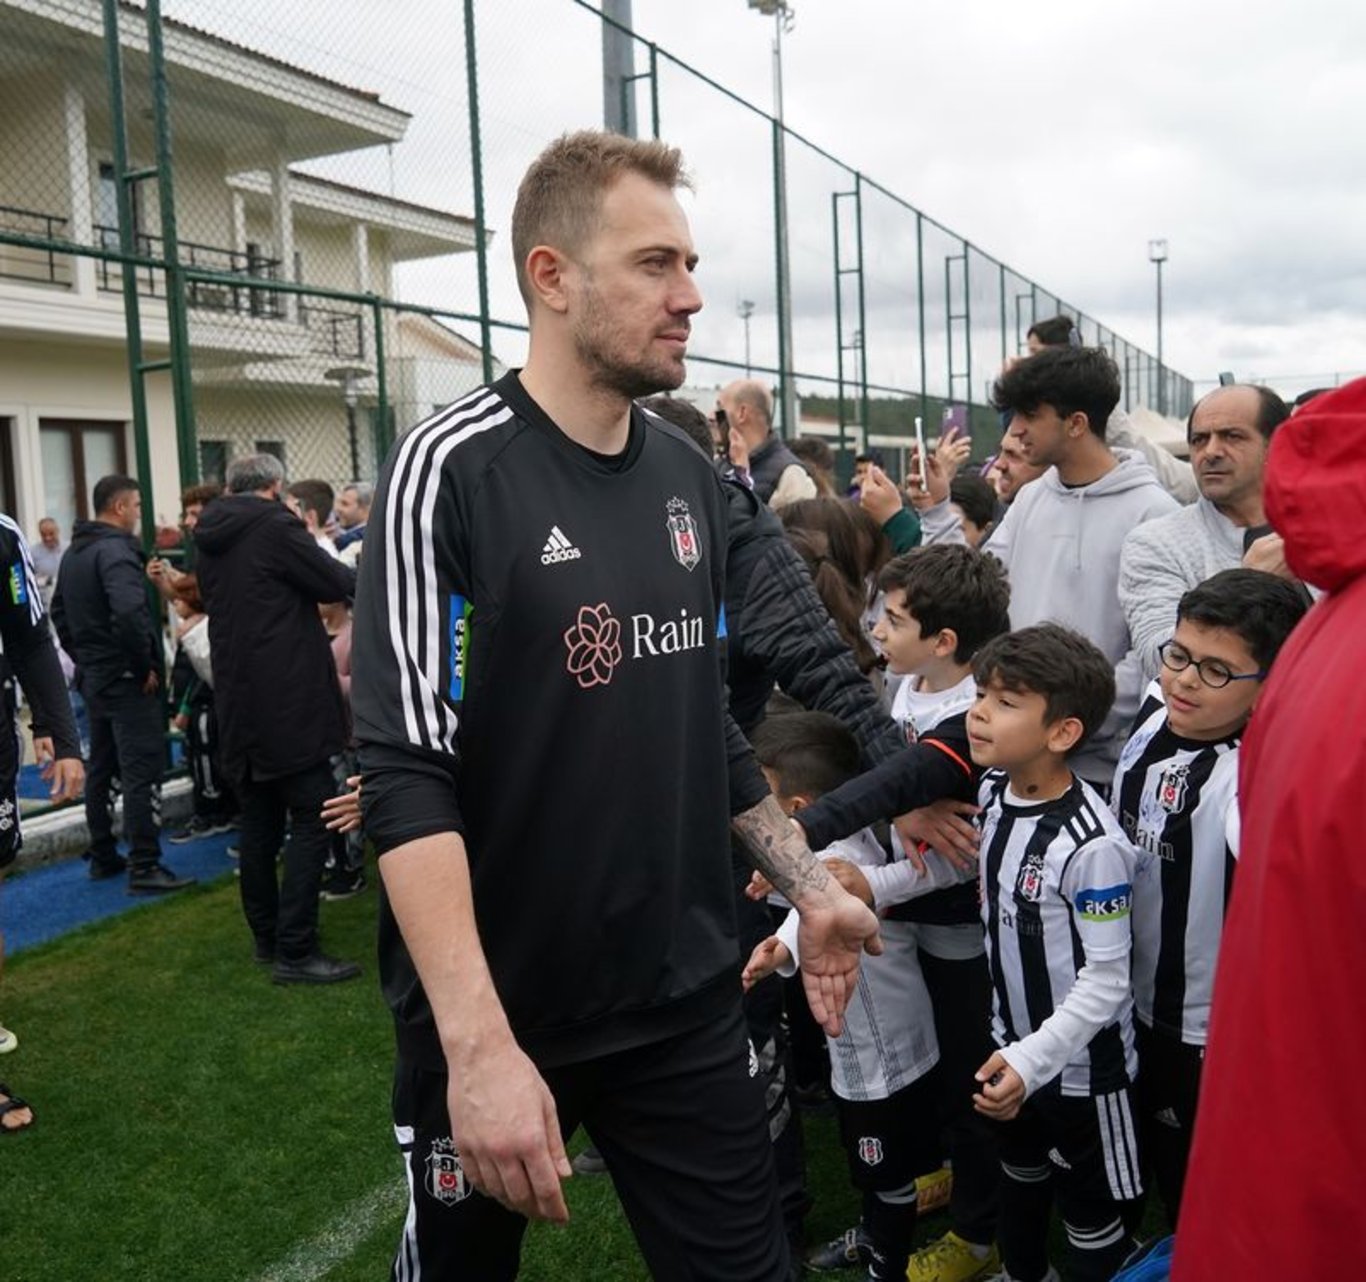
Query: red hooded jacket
(1274,1192)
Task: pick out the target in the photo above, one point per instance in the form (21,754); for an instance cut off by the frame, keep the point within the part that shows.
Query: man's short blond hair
(560,196)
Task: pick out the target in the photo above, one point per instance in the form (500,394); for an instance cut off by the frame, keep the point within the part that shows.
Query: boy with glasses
(1176,795)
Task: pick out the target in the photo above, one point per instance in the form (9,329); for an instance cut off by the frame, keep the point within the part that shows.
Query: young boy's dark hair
(1073,676)
(948,585)
(685,416)
(1070,379)
(811,753)
(1261,608)
(1055,331)
(974,494)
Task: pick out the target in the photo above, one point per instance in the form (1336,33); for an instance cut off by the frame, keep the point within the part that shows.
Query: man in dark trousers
(105,623)
(280,712)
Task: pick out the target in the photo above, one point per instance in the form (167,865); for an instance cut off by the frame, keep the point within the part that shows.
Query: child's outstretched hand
(851,877)
(342,814)
(759,887)
(764,960)
(1003,1089)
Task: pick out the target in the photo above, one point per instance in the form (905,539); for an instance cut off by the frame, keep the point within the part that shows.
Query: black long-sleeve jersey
(537,664)
(936,766)
(26,647)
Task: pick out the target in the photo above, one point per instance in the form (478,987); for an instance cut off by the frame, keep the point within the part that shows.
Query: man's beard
(612,371)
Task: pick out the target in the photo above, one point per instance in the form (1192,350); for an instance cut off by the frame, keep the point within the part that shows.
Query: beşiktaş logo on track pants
(595,647)
(446,1180)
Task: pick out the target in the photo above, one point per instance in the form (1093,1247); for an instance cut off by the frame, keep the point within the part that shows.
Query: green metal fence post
(920,302)
(182,389)
(779,214)
(131,311)
(967,331)
(654,89)
(864,412)
(839,324)
(386,426)
(477,164)
(1004,352)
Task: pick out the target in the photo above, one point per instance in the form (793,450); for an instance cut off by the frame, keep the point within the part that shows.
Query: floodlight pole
(1157,255)
(745,309)
(783,17)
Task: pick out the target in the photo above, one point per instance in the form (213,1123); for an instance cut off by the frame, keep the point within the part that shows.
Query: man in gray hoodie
(1229,432)
(1062,537)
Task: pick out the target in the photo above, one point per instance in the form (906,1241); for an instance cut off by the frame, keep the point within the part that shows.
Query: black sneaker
(102,867)
(199,827)
(263,953)
(847,1252)
(317,969)
(341,884)
(155,879)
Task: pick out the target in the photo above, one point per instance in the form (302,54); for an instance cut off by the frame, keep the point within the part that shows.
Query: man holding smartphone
(1229,432)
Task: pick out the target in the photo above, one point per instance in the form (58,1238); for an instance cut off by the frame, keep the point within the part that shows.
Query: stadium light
(1157,254)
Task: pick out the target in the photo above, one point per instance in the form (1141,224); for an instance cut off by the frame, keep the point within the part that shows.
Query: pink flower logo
(594,645)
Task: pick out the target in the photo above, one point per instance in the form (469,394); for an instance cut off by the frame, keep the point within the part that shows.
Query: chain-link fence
(290,224)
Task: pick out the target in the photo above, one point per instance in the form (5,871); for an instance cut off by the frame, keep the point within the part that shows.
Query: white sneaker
(8,1041)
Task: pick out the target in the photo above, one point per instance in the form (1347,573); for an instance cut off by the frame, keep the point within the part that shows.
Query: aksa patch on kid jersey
(1109,903)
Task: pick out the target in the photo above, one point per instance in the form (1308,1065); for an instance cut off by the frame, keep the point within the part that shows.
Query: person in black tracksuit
(105,623)
(28,656)
(550,773)
(280,712)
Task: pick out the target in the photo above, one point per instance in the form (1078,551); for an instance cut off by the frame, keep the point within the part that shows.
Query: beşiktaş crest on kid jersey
(683,541)
(1171,790)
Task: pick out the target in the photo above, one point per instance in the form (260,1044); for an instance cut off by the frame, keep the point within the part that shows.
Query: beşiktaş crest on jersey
(683,541)
(445,1176)
(870,1150)
(1171,789)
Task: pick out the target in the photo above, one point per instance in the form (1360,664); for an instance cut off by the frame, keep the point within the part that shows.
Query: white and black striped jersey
(1177,800)
(888,1040)
(537,664)
(1057,885)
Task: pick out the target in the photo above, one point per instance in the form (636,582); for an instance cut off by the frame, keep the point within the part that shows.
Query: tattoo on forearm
(778,850)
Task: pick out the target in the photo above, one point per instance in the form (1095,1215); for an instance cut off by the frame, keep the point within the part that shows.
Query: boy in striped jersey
(1057,876)
(1176,795)
(882,1064)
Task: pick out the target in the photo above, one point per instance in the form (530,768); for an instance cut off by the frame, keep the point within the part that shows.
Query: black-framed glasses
(1213,672)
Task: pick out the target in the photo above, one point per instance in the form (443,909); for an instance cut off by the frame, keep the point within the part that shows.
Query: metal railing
(49,266)
(333,332)
(218,297)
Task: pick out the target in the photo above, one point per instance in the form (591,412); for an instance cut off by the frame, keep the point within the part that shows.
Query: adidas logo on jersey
(558,548)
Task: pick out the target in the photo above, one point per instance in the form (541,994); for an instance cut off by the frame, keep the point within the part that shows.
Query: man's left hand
(835,931)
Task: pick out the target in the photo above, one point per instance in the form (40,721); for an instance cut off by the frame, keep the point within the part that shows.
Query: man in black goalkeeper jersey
(549,773)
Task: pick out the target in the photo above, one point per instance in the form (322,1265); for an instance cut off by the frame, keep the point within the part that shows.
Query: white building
(242,120)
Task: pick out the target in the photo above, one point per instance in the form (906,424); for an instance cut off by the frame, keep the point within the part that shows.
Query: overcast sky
(1058,137)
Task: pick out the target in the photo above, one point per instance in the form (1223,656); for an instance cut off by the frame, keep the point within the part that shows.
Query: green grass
(196,1122)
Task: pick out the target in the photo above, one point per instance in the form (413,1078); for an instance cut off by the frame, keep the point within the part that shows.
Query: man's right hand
(507,1131)
(150,683)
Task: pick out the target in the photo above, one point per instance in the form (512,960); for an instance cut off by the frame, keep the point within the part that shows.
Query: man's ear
(1065,734)
(1078,424)
(546,269)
